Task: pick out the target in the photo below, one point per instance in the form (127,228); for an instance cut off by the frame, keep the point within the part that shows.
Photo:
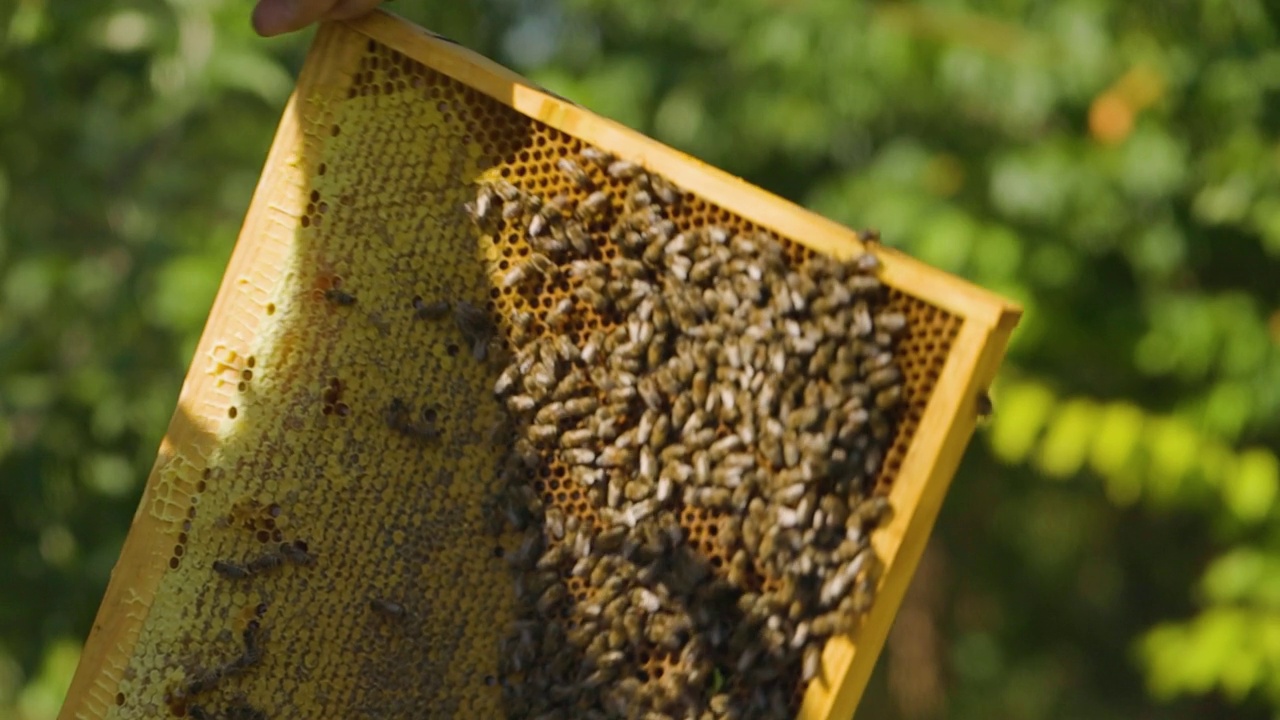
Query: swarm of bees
(726,378)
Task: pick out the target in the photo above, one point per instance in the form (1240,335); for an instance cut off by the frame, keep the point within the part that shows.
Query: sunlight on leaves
(1242,575)
(1066,444)
(1250,491)
(1024,409)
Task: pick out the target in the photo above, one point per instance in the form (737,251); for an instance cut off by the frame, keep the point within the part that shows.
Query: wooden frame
(939,443)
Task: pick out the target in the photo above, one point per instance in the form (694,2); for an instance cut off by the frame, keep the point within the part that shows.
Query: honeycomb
(334,552)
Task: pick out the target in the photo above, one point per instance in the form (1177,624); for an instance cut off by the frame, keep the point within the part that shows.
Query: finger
(276,17)
(347,9)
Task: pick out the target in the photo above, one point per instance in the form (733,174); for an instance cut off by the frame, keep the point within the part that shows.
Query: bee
(596,156)
(521,320)
(623,170)
(537,223)
(666,191)
(891,322)
(197,712)
(430,310)
(867,262)
(613,456)
(578,456)
(398,417)
(544,266)
(638,200)
(551,598)
(250,657)
(296,553)
(506,190)
(241,710)
(506,381)
(714,498)
(544,434)
(608,541)
(476,326)
(985,407)
(484,202)
(578,238)
(230,570)
(265,563)
(559,315)
(555,208)
(526,555)
(554,519)
(516,276)
(202,682)
(387,608)
(889,397)
(575,172)
(512,209)
(593,207)
(871,513)
(521,404)
(339,297)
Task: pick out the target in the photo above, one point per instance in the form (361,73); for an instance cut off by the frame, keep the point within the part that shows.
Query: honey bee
(537,223)
(525,556)
(543,265)
(202,682)
(430,310)
(521,320)
(985,407)
(891,322)
(296,553)
(230,570)
(623,170)
(608,541)
(638,199)
(521,404)
(889,397)
(867,262)
(594,206)
(544,434)
(578,456)
(517,275)
(506,381)
(339,297)
(559,315)
(475,325)
(506,190)
(575,172)
(596,156)
(484,202)
(871,513)
(265,563)
(512,209)
(398,417)
(551,598)
(555,521)
(578,238)
(197,712)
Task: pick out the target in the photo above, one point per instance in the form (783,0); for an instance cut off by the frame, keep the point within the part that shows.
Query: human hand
(276,17)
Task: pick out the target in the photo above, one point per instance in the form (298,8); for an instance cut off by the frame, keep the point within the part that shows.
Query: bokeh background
(1110,548)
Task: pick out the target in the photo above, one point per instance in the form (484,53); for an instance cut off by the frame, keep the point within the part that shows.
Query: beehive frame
(972,331)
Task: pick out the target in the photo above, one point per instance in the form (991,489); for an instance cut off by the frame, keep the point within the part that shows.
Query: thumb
(276,17)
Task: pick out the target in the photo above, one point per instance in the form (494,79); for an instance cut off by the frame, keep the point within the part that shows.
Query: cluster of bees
(202,682)
(726,378)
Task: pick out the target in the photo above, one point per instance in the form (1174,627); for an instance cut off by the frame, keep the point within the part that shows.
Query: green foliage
(1109,545)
